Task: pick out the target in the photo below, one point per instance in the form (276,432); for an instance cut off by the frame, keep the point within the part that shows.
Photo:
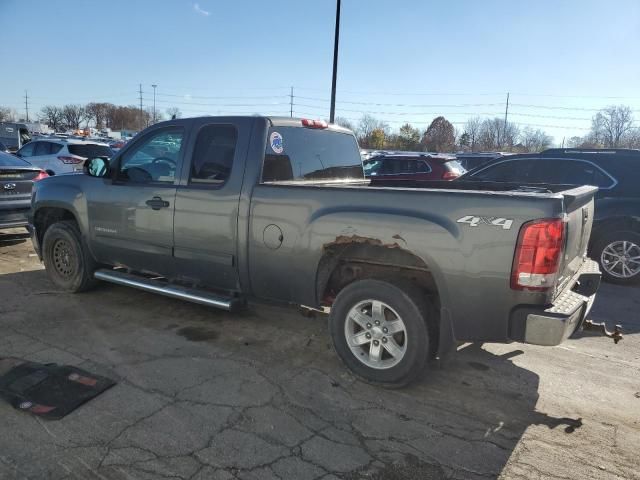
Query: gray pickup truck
(225,210)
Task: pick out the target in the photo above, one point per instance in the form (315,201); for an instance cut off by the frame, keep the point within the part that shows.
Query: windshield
(304,154)
(90,150)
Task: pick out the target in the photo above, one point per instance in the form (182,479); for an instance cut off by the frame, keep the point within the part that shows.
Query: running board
(168,290)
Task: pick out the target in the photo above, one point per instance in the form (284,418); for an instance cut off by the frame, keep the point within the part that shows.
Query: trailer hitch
(616,335)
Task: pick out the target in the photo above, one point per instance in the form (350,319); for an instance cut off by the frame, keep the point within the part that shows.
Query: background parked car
(62,155)
(14,135)
(413,167)
(16,180)
(615,240)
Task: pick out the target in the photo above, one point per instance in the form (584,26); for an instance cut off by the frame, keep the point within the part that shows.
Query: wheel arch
(349,259)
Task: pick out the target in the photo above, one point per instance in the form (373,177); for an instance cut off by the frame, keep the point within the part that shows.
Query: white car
(62,155)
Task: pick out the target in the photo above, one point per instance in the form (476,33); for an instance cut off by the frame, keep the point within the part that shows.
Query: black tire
(607,239)
(413,308)
(66,259)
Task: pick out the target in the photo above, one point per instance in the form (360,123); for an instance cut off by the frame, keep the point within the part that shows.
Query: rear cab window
(298,154)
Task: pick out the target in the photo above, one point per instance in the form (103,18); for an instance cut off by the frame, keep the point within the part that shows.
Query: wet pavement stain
(196,334)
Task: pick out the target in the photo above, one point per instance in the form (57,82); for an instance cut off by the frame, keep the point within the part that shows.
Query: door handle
(156,203)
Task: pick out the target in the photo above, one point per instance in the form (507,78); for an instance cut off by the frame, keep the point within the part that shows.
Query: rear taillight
(68,159)
(42,174)
(450,175)
(538,254)
(314,123)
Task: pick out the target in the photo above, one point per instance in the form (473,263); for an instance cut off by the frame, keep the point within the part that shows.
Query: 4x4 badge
(474,221)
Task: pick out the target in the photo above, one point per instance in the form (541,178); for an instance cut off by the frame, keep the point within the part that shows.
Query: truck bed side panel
(471,264)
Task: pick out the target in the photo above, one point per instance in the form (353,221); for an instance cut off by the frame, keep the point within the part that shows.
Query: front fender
(60,193)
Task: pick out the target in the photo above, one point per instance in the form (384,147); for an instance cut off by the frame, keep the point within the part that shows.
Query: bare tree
(534,140)
(6,114)
(472,129)
(343,122)
(366,126)
(610,125)
(98,113)
(495,135)
(174,112)
(52,116)
(73,115)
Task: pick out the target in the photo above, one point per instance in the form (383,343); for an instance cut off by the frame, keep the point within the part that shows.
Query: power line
(218,97)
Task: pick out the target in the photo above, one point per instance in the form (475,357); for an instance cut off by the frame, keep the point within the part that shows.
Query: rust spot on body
(347,240)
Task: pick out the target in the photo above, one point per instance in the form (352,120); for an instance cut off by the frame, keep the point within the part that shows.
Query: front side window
(27,150)
(304,154)
(154,158)
(213,154)
(372,167)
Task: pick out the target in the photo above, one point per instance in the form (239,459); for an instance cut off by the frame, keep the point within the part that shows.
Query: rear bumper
(554,324)
(14,218)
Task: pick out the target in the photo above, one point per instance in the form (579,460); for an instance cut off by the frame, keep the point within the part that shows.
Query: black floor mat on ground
(48,390)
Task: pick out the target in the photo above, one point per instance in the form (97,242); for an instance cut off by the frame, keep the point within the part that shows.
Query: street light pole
(154,103)
(332,115)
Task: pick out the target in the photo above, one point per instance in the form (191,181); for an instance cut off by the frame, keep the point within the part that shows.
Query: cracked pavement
(204,394)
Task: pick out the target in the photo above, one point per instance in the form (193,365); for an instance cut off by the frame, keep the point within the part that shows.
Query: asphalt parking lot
(203,394)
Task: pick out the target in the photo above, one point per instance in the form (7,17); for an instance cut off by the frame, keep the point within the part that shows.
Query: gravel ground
(204,394)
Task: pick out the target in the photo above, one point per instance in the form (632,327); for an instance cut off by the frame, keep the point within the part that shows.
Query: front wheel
(618,254)
(380,331)
(69,265)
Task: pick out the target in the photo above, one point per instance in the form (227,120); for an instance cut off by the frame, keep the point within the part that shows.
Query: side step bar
(168,290)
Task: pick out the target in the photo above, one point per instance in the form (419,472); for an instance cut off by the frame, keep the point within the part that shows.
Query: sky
(402,60)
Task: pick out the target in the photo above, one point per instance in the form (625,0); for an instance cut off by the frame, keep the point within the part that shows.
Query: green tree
(408,137)
(440,136)
(376,139)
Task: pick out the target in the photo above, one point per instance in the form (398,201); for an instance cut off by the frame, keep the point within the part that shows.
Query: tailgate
(16,184)
(579,207)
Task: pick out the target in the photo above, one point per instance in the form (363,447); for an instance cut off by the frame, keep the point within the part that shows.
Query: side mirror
(96,167)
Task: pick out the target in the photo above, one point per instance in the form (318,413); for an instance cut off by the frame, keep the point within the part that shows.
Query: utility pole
(154,103)
(506,114)
(291,103)
(141,116)
(26,103)
(332,114)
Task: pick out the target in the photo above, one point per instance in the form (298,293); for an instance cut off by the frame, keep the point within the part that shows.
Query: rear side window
(213,154)
(507,171)
(571,172)
(90,150)
(41,148)
(303,154)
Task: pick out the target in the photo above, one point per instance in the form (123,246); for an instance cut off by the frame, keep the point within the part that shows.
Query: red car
(413,166)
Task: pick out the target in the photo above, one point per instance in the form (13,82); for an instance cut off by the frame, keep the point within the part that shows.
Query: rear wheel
(619,256)
(380,332)
(68,263)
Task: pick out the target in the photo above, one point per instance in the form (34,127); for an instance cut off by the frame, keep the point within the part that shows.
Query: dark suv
(412,166)
(615,241)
